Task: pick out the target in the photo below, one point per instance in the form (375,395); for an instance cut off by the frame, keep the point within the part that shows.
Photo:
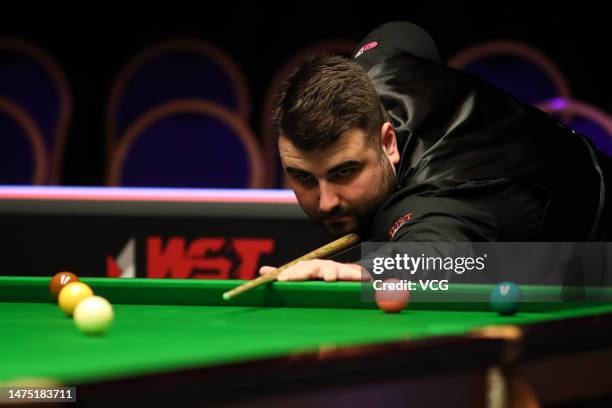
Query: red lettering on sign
(203,265)
(250,250)
(169,262)
(211,258)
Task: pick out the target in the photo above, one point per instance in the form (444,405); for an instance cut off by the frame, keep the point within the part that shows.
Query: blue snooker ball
(506,298)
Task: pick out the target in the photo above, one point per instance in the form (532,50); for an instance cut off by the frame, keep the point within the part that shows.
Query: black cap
(392,38)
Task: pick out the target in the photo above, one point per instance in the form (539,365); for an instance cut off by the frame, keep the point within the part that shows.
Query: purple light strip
(558,103)
(145,194)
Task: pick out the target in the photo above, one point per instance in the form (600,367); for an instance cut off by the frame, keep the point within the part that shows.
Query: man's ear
(388,143)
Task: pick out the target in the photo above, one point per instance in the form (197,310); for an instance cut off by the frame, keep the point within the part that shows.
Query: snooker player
(398,147)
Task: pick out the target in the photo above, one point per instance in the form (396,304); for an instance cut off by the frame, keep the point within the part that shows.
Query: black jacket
(476,164)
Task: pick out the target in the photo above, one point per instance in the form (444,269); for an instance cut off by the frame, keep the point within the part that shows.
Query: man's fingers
(303,270)
(328,271)
(264,270)
(351,273)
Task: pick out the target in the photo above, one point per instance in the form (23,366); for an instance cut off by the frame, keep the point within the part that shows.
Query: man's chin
(339,229)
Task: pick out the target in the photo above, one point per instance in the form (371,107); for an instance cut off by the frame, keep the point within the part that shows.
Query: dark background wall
(93,41)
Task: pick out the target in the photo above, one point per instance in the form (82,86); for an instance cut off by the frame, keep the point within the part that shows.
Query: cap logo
(366,47)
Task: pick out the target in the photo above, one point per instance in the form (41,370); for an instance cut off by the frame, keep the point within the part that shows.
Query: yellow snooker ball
(71,295)
(93,315)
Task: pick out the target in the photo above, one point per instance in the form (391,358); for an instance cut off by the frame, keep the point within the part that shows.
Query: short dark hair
(325,97)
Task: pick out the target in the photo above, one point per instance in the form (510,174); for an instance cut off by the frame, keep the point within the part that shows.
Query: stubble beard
(362,220)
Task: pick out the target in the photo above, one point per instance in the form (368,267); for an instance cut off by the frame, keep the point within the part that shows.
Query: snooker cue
(326,250)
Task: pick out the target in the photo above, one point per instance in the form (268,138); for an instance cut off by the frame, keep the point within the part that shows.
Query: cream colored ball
(93,315)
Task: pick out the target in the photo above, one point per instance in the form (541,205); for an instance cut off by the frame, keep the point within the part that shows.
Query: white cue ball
(93,315)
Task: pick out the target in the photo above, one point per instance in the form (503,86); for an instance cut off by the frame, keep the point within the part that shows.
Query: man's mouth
(336,219)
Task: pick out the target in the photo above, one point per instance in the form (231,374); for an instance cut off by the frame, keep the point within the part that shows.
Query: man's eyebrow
(295,170)
(348,163)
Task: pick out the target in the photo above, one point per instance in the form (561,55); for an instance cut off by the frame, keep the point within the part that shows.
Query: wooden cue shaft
(326,250)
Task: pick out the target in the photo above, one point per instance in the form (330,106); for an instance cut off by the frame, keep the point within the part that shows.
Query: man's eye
(344,172)
(304,178)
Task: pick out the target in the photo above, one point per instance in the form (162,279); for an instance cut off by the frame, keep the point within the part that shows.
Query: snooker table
(176,342)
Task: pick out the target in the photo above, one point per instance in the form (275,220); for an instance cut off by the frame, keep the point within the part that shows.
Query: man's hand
(319,269)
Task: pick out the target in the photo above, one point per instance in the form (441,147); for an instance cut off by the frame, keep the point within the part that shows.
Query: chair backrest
(22,156)
(33,79)
(274,169)
(188,143)
(584,118)
(517,68)
(171,70)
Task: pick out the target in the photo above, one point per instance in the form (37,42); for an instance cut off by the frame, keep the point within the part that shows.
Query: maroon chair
(188,143)
(517,68)
(22,156)
(33,80)
(172,70)
(584,118)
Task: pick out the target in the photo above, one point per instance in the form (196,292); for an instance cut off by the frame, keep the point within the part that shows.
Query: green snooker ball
(506,298)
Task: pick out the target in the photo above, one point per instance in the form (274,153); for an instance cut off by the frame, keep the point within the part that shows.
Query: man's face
(342,186)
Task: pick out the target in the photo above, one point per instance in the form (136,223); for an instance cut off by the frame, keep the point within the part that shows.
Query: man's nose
(328,197)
